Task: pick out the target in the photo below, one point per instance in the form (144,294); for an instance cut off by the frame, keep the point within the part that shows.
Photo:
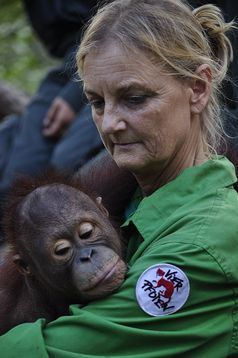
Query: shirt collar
(192,182)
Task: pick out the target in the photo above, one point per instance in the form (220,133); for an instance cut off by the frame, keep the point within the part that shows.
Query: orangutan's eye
(62,248)
(85,230)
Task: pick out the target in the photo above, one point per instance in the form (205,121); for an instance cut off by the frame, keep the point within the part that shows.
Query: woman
(152,71)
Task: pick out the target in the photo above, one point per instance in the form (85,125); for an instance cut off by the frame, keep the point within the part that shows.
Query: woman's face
(143,114)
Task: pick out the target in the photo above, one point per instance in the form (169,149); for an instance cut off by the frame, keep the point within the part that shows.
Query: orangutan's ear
(101,206)
(22,266)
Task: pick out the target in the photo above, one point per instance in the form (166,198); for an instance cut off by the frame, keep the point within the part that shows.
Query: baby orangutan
(62,248)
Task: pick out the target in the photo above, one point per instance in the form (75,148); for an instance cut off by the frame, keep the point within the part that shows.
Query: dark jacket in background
(58,23)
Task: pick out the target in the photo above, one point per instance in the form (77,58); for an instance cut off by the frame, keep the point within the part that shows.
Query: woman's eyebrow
(89,92)
(127,87)
(124,88)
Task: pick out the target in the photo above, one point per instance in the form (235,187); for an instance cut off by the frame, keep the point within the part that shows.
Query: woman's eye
(96,104)
(136,99)
(85,230)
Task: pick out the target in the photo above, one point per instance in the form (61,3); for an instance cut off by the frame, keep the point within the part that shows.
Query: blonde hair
(179,38)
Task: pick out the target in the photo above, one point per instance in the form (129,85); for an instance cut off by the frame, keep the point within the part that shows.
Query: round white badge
(162,289)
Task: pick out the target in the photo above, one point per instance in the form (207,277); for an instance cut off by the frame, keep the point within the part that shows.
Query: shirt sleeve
(117,326)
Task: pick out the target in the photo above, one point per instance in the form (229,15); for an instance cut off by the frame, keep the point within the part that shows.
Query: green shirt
(191,224)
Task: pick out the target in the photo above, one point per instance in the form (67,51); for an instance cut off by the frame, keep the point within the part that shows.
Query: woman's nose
(112,122)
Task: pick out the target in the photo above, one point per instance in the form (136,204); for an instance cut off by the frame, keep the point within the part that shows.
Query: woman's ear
(201,88)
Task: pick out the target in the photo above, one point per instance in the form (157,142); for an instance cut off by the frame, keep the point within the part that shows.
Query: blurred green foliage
(23,61)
